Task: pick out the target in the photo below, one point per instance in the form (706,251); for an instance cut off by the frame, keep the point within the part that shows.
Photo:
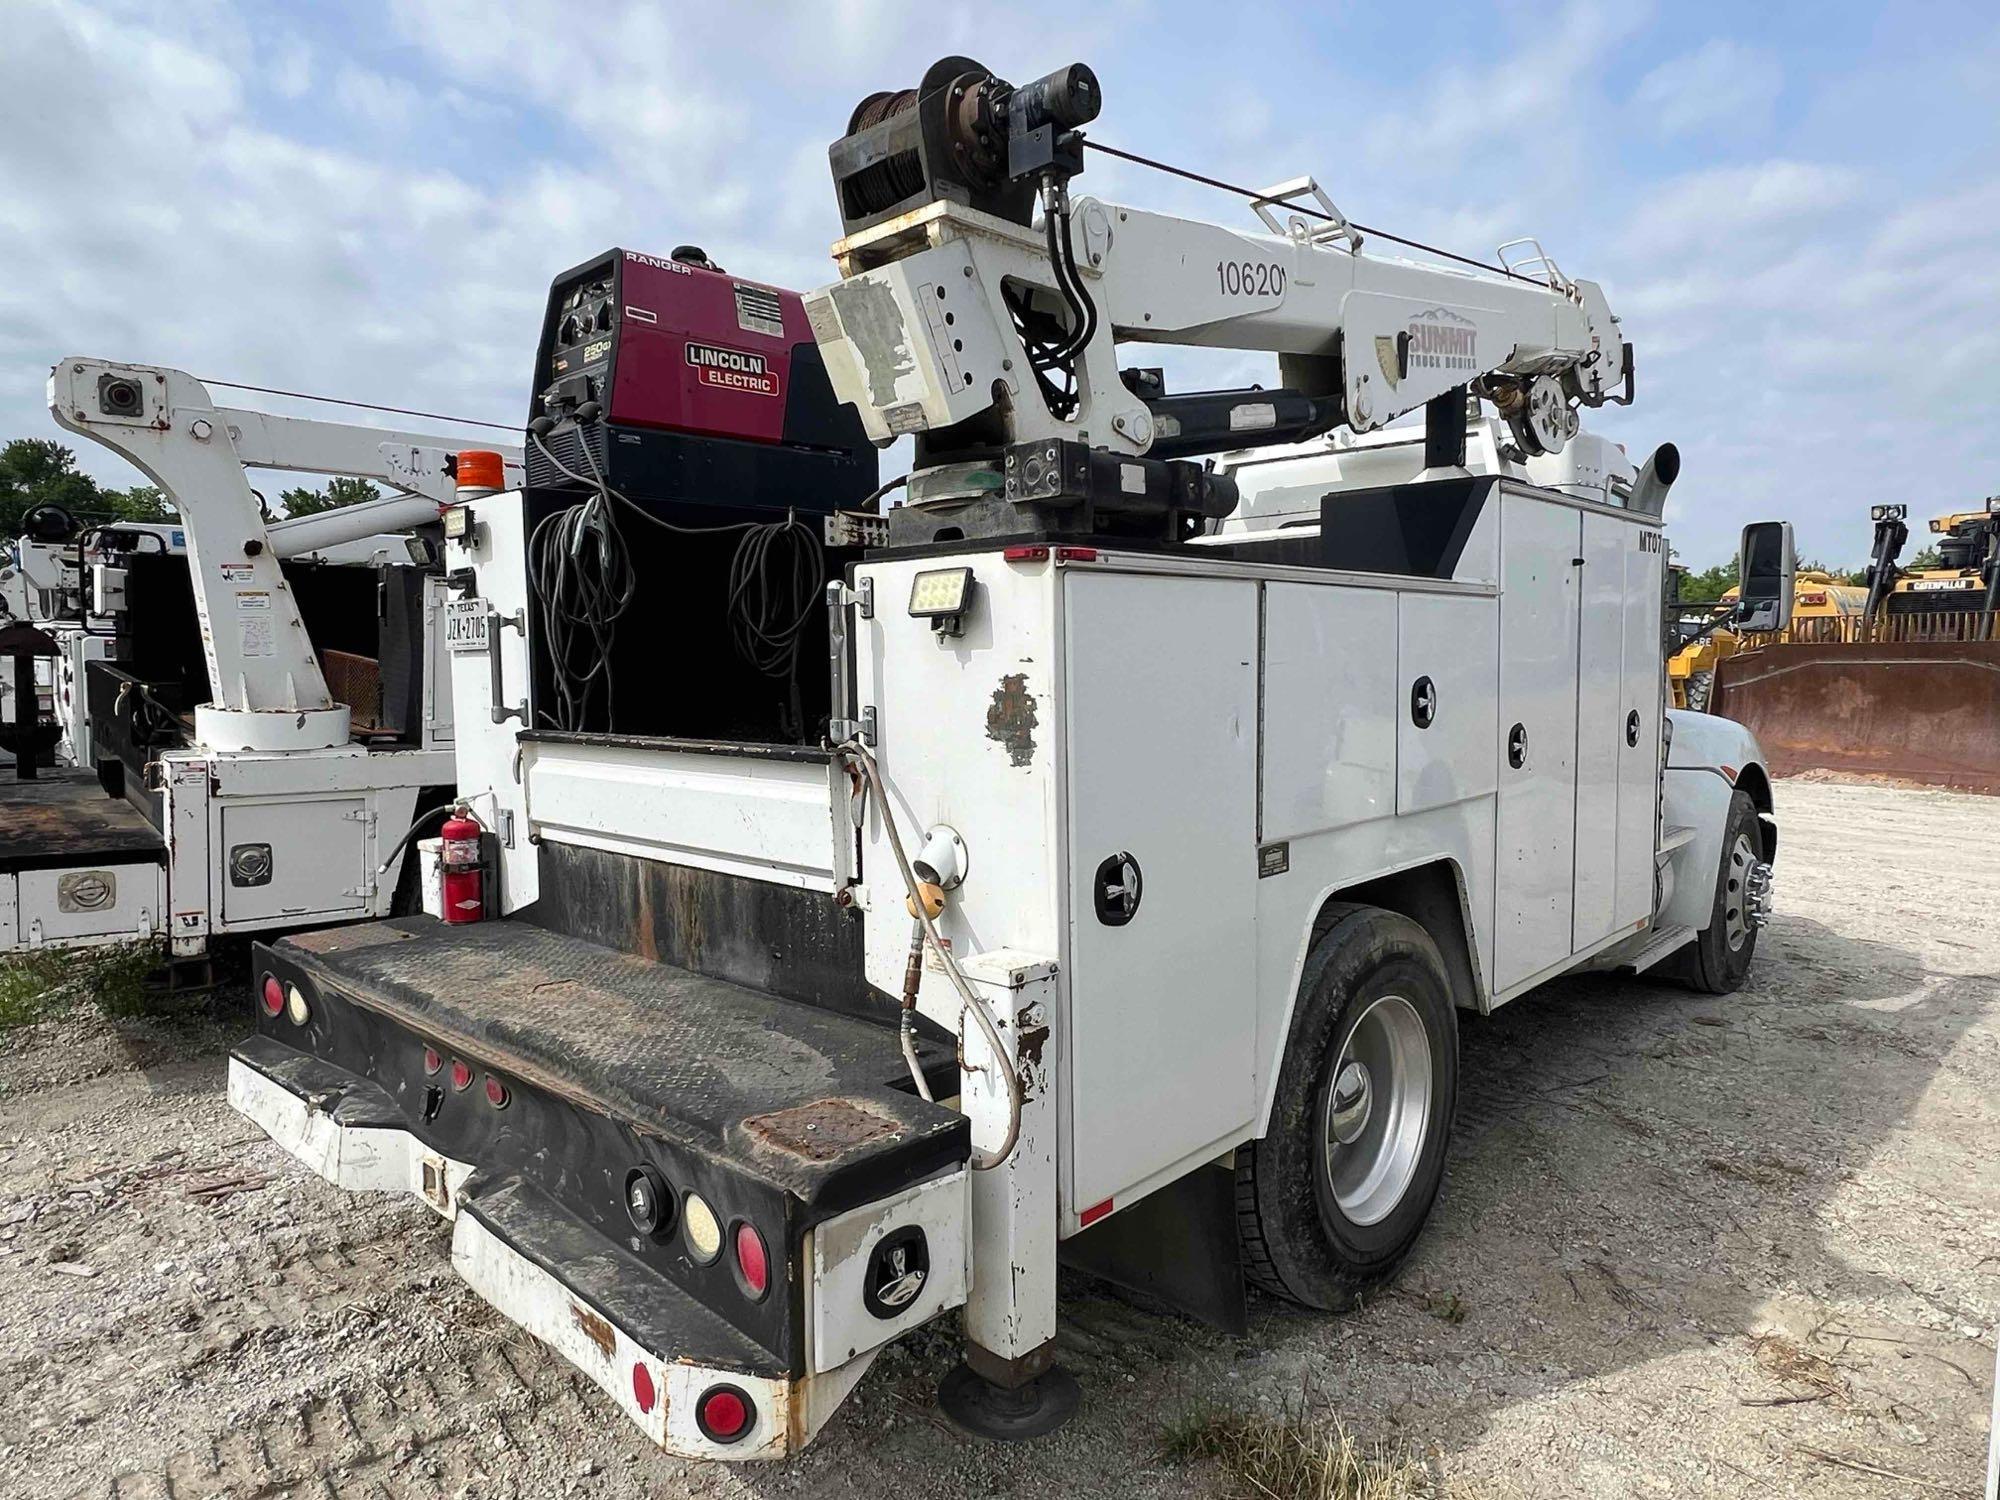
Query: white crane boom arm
(269,691)
(925,332)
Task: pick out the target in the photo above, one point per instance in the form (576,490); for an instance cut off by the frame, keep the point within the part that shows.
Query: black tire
(1711,964)
(1699,685)
(1298,1243)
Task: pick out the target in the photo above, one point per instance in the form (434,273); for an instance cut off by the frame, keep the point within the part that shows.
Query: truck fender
(1708,759)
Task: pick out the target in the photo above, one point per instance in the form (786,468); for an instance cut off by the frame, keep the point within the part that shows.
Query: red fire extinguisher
(464,894)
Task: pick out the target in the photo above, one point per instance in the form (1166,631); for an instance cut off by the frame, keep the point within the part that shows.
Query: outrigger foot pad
(977,1406)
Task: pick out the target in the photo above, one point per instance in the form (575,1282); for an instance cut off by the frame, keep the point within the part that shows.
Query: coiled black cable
(583,580)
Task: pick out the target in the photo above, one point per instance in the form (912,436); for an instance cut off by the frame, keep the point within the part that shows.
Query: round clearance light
(461,1074)
(433,1062)
(496,1093)
(296,1007)
(704,1233)
(753,1265)
(723,1414)
(649,1202)
(274,996)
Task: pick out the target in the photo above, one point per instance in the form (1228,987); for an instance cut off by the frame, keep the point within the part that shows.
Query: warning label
(253,623)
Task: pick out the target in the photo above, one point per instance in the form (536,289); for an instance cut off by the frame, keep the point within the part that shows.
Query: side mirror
(1766,570)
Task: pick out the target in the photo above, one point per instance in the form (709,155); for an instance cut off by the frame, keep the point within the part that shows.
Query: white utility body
(1187,804)
(269,809)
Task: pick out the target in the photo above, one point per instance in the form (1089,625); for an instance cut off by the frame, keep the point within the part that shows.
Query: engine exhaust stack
(1649,490)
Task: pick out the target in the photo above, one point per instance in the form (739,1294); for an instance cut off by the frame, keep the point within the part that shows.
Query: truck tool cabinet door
(1618,727)
(1600,727)
(1161,749)
(1535,844)
(1639,737)
(1444,702)
(293,858)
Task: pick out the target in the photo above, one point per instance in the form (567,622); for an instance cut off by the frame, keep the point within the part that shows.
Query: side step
(1667,941)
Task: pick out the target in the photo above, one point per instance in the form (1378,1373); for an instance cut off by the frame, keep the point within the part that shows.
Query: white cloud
(1721,86)
(375,100)
(1712,209)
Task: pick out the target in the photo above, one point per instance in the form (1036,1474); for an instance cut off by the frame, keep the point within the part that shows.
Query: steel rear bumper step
(530,1138)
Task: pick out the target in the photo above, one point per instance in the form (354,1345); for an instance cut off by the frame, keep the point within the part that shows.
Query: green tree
(143,502)
(338,492)
(1926,559)
(1709,583)
(36,471)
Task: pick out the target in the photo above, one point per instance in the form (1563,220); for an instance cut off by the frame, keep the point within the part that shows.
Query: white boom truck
(1174,832)
(46,580)
(264,802)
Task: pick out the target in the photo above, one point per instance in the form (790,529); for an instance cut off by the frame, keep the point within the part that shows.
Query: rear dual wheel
(1334,1196)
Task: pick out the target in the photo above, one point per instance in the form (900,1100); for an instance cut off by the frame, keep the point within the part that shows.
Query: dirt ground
(1687,1246)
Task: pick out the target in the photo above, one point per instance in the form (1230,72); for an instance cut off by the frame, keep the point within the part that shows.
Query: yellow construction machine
(1706,638)
(1908,688)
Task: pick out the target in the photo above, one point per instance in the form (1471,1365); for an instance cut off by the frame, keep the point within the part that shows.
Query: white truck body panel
(1270,715)
(767,817)
(85,907)
(488,772)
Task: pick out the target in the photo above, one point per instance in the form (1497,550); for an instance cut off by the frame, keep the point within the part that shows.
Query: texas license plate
(465,624)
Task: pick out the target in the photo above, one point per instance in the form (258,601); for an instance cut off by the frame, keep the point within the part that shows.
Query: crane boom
(269,690)
(971,321)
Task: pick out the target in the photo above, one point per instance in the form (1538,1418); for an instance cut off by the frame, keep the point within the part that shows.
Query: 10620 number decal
(1250,278)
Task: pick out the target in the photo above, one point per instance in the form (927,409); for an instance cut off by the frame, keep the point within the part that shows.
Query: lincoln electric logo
(1442,340)
(732,369)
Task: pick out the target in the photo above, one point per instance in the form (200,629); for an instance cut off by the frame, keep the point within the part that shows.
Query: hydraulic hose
(982,1161)
(411,832)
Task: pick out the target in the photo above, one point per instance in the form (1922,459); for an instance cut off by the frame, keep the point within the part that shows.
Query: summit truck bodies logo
(1442,340)
(732,369)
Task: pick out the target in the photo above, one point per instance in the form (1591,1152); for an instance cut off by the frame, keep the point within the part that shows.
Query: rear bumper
(649,1345)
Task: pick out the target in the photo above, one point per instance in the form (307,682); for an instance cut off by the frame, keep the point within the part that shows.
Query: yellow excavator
(1908,688)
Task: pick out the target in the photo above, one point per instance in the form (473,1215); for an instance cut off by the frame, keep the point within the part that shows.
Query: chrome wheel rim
(1737,922)
(1377,1111)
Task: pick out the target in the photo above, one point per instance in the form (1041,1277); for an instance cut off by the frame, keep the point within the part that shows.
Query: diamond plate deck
(795,1094)
(65,818)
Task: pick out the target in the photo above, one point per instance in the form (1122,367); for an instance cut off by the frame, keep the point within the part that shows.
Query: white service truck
(225,790)
(1156,822)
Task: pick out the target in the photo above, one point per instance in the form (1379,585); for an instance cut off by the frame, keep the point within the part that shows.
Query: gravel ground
(1687,1246)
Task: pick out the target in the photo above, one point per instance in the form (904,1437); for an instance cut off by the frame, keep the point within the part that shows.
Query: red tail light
(433,1062)
(753,1266)
(496,1093)
(461,1074)
(643,1391)
(723,1414)
(274,996)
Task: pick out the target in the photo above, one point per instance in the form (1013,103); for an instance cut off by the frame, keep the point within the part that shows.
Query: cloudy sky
(1795,208)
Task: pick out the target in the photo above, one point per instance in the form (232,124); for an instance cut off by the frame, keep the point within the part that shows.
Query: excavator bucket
(1925,711)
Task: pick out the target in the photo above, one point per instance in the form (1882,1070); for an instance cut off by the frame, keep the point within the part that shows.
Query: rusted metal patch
(595,1329)
(1011,718)
(824,1130)
(1033,1039)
